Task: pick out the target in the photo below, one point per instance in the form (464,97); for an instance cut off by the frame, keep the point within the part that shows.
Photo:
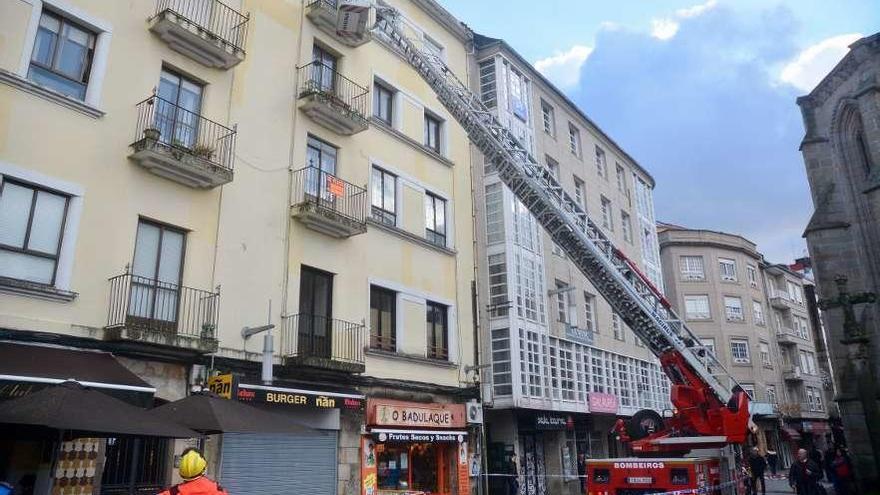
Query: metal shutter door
(271,464)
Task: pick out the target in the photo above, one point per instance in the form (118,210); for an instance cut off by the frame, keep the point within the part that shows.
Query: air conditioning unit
(474,412)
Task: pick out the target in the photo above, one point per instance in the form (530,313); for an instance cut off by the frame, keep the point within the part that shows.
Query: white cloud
(664,28)
(564,68)
(814,62)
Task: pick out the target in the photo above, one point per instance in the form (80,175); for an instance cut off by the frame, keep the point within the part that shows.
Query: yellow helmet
(192,464)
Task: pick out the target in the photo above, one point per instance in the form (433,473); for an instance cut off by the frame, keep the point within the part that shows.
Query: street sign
(221,385)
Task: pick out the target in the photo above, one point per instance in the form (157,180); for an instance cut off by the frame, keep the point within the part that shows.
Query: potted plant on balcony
(203,151)
(152,133)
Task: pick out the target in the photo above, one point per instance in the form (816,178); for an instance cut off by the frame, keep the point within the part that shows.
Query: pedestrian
(757,466)
(772,459)
(804,475)
(841,467)
(192,470)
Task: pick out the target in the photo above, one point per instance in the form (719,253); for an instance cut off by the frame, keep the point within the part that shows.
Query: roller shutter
(272,464)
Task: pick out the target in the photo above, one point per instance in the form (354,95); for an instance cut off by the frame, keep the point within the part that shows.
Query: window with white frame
(749,389)
(696,307)
(590,312)
(752,273)
(739,351)
(727,269)
(692,268)
(765,354)
(802,327)
(488,86)
(758,311)
(548,118)
(817,399)
(621,178)
(62,55)
(383,196)
(553,167)
(797,295)
(626,226)
(808,362)
(771,394)
(617,327)
(433,47)
(607,215)
(579,193)
(561,302)
(435,219)
(501,370)
(574,140)
(494,213)
(518,94)
(733,309)
(530,284)
(31,231)
(709,344)
(499,302)
(601,163)
(432,131)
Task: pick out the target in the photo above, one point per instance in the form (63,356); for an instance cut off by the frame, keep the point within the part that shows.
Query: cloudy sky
(701,94)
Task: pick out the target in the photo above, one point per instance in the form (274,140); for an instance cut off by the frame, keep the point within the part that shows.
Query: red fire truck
(639,476)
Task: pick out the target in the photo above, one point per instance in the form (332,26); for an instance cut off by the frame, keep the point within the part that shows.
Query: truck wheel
(643,423)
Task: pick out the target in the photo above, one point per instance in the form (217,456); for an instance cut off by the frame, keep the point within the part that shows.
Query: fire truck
(710,410)
(638,476)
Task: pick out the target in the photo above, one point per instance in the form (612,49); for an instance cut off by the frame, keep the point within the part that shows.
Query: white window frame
(75,193)
(617,327)
(103,31)
(752,274)
(726,277)
(601,162)
(771,395)
(626,226)
(766,358)
(590,316)
(733,312)
(579,193)
(692,267)
(734,343)
(707,315)
(709,343)
(758,313)
(607,213)
(574,140)
(548,118)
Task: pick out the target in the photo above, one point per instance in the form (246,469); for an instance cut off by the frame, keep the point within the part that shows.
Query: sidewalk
(780,486)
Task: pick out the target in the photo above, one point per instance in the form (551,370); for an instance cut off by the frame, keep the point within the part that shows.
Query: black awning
(26,368)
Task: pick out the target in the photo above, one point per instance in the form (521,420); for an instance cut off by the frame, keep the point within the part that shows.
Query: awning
(27,368)
(791,433)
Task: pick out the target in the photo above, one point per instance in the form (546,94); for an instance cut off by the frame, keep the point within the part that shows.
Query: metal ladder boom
(641,305)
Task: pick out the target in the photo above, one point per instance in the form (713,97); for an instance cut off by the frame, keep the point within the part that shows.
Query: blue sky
(700,92)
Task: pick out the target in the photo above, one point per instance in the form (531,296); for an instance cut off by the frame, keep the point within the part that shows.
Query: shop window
(122,473)
(417,467)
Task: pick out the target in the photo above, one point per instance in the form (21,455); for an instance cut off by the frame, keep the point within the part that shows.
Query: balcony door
(155,276)
(324,69)
(177,109)
(315,310)
(321,162)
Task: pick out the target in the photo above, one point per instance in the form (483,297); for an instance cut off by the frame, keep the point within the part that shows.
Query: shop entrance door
(532,469)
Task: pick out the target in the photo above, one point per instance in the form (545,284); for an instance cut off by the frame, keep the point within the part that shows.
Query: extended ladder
(630,293)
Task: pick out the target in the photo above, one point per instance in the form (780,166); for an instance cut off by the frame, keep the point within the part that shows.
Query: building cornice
(841,72)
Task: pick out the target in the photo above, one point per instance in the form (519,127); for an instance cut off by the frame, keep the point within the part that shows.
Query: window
(323,74)
(383,102)
(498,300)
(808,362)
(383,196)
(733,309)
(548,118)
(727,269)
(697,307)
(749,390)
(801,327)
(771,394)
(494,213)
(691,268)
(488,88)
(621,178)
(156,272)
(626,226)
(432,132)
(530,287)
(709,344)
(758,311)
(552,167)
(177,109)
(739,350)
(765,355)
(601,165)
(607,215)
(383,313)
(435,219)
(590,312)
(518,94)
(562,301)
(501,371)
(579,192)
(617,327)
(574,140)
(433,47)
(31,231)
(62,55)
(438,330)
(752,273)
(795,292)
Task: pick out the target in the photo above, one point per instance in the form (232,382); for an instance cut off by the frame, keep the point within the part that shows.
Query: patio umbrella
(209,414)
(69,406)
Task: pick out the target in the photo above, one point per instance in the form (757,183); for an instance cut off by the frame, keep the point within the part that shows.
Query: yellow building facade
(178,170)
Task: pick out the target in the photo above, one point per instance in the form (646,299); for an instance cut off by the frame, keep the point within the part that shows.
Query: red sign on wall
(383,412)
(603,403)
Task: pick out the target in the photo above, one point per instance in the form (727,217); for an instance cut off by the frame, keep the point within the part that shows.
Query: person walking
(772,459)
(841,469)
(757,466)
(804,475)
(192,470)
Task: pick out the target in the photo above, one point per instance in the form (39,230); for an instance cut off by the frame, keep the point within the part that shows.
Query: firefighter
(192,470)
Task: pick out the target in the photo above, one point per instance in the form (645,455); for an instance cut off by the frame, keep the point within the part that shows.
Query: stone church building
(841,150)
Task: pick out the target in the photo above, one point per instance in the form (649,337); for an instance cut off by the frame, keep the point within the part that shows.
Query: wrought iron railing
(164,123)
(322,80)
(212,16)
(315,336)
(144,304)
(329,193)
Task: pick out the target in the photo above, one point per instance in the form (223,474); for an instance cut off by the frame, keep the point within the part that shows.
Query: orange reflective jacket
(198,486)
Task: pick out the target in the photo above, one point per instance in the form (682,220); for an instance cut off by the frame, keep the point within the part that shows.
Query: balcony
(315,341)
(780,299)
(762,408)
(327,204)
(159,313)
(331,99)
(347,26)
(787,336)
(207,31)
(805,410)
(792,374)
(183,146)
